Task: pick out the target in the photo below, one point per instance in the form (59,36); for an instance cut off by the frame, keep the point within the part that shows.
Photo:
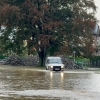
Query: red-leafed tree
(46,25)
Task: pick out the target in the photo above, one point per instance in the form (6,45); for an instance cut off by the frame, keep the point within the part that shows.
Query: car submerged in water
(54,64)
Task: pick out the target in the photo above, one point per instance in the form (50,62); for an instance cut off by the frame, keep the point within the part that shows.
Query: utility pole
(74,52)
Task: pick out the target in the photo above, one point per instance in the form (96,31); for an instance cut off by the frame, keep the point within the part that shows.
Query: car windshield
(55,61)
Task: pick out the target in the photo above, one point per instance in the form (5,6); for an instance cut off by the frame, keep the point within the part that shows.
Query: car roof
(53,57)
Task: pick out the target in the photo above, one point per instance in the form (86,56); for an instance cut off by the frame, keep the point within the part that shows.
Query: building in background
(96,43)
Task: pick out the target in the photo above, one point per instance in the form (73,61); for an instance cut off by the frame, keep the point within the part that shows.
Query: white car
(54,64)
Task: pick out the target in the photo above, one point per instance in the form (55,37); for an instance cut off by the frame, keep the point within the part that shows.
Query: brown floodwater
(23,83)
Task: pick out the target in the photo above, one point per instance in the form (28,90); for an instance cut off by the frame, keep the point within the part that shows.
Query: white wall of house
(96,43)
(96,30)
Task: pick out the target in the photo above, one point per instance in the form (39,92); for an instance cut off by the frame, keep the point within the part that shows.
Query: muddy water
(34,84)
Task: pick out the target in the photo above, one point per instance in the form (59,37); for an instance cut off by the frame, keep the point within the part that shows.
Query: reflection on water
(51,75)
(62,75)
(22,79)
(73,81)
(56,79)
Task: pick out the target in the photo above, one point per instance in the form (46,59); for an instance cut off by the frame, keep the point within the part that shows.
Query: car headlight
(62,66)
(51,66)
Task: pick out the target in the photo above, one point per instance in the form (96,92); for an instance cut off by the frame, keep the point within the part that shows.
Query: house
(96,43)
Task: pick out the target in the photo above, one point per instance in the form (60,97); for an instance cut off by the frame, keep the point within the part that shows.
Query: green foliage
(95,58)
(2,57)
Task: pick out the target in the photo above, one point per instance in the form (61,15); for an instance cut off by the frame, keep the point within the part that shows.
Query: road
(23,83)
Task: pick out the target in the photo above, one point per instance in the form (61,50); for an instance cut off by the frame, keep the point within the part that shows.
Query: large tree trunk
(42,57)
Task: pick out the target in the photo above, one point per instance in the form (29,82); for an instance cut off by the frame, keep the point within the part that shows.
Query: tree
(46,25)
(83,22)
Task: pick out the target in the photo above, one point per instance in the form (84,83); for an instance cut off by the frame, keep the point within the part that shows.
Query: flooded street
(34,84)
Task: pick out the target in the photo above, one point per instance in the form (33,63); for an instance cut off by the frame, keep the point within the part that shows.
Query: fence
(89,63)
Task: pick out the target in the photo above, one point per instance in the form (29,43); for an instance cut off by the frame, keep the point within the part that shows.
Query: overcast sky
(97,3)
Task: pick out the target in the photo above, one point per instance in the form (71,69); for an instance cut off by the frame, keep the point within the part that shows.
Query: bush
(22,61)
